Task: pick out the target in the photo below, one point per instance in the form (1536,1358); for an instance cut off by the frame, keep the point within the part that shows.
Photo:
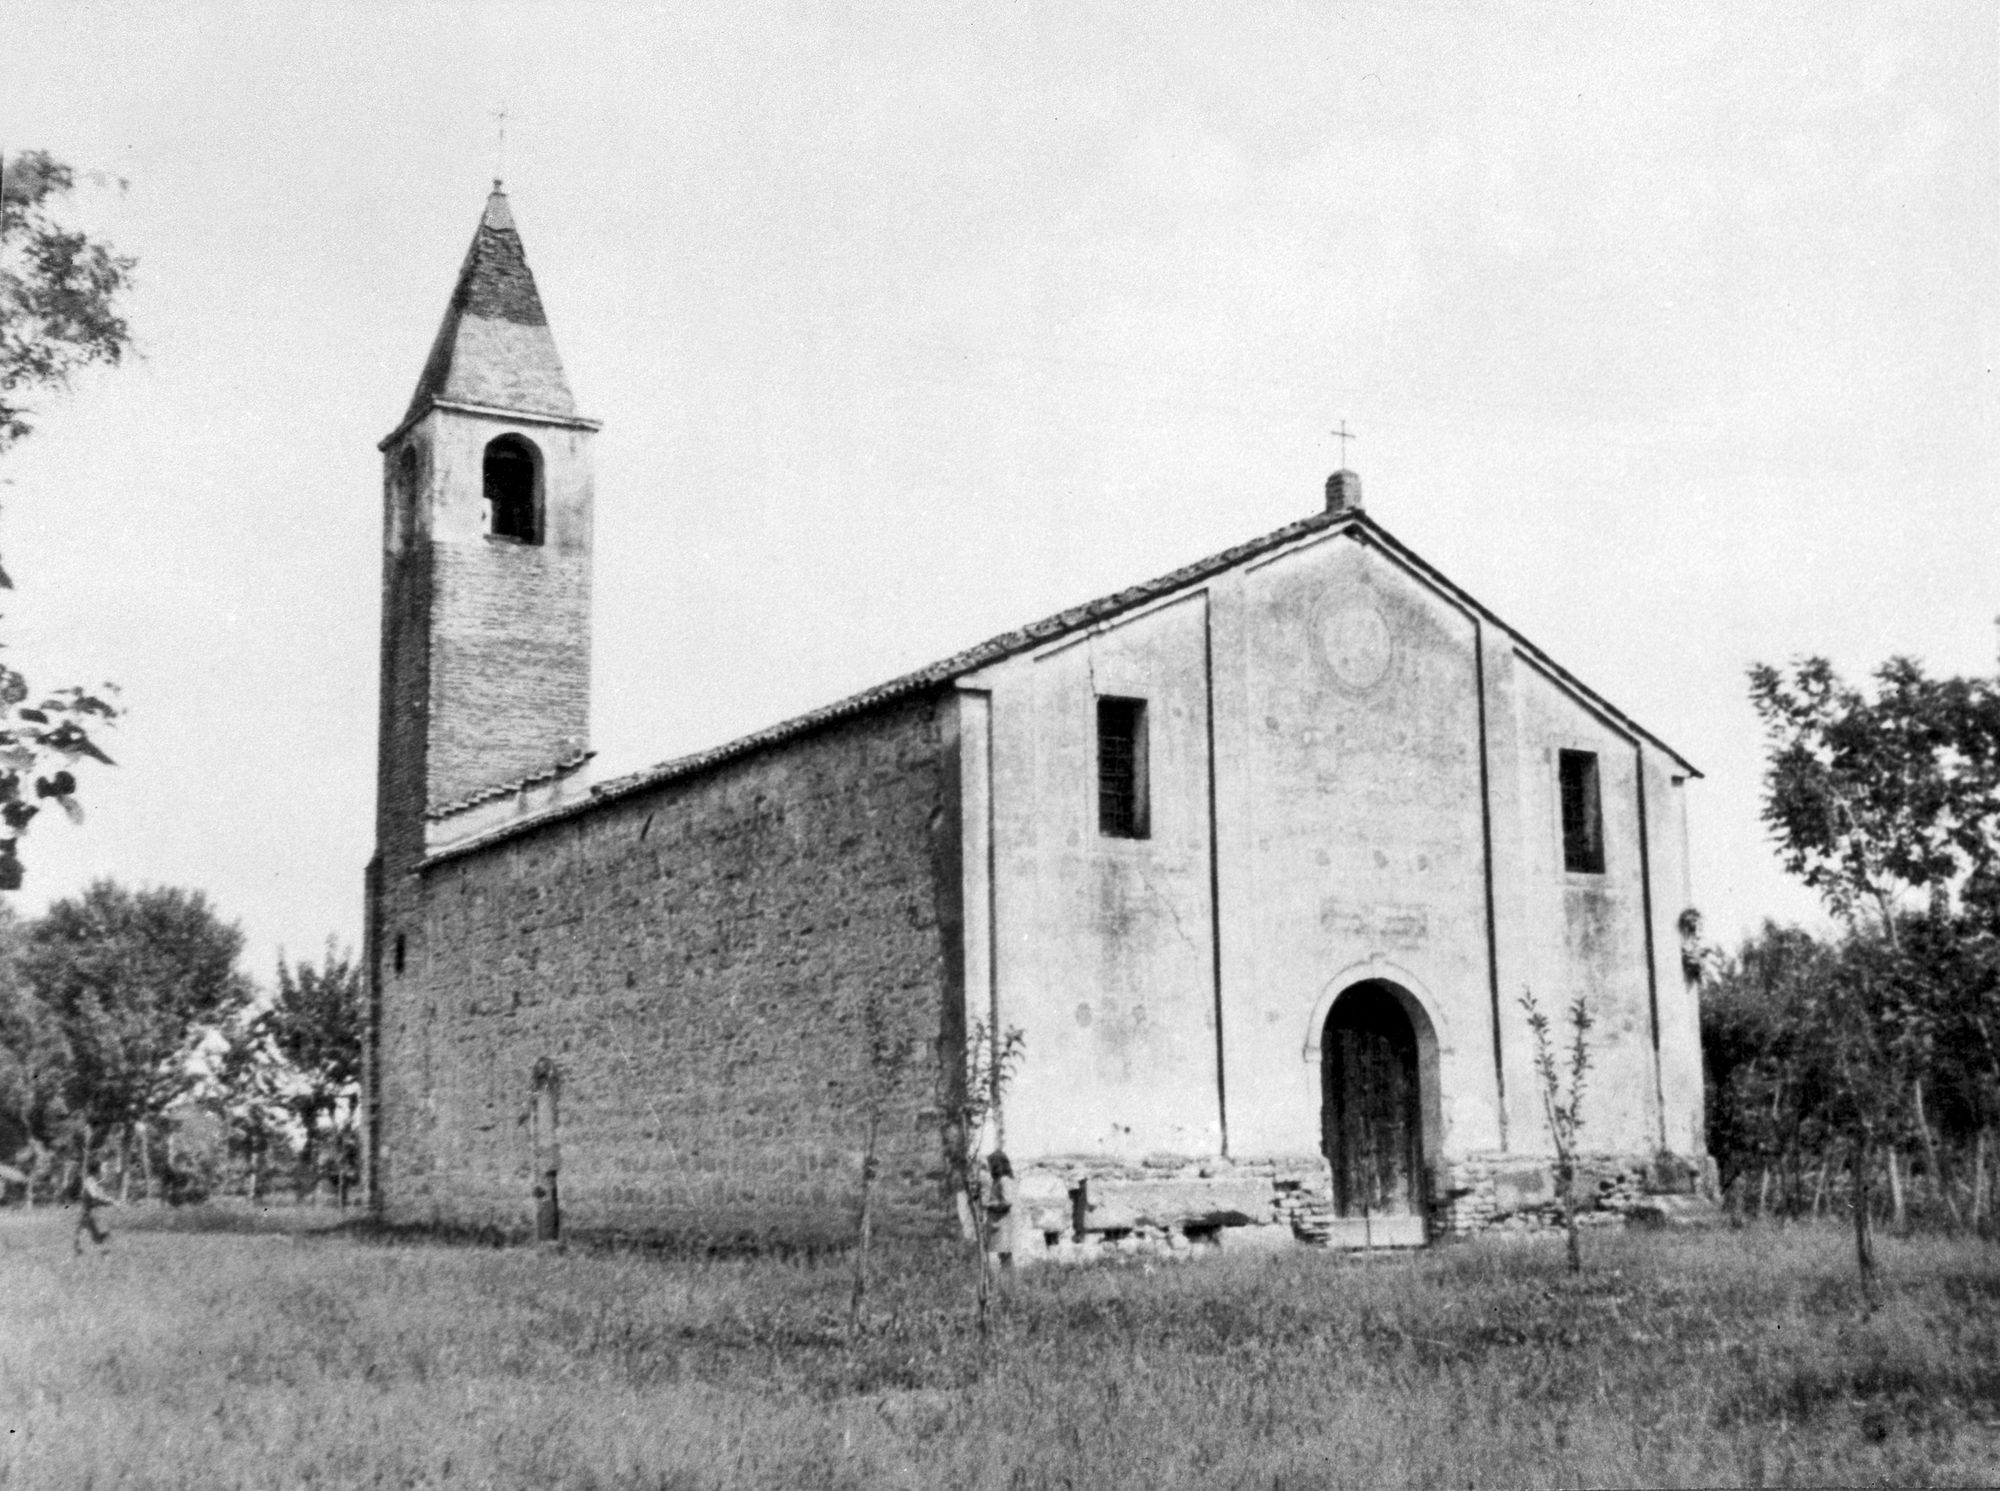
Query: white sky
(1668,330)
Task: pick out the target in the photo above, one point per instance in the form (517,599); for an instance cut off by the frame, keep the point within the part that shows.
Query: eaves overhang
(486,411)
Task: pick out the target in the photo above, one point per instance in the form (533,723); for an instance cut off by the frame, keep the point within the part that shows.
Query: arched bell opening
(512,472)
(1379,1108)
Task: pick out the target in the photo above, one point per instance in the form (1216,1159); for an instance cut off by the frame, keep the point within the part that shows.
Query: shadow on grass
(239,1217)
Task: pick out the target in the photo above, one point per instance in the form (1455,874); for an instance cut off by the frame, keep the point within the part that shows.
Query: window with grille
(1583,812)
(1121,768)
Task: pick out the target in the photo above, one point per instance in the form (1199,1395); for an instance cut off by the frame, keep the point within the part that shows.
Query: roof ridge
(1007,644)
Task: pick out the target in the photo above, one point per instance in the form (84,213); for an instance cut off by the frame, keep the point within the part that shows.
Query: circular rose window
(1358,644)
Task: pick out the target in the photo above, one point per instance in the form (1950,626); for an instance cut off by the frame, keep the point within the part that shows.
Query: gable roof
(1353,522)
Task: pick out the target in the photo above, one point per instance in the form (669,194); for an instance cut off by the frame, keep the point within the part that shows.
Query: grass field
(223,1356)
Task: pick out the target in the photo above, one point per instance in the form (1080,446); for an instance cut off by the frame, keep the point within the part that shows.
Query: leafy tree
(39,744)
(59,291)
(314,1026)
(1815,1045)
(59,297)
(1871,800)
(34,1059)
(246,1091)
(136,981)
(1767,1096)
(1888,804)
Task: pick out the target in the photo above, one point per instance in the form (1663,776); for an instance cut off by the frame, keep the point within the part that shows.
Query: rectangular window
(1583,813)
(1121,768)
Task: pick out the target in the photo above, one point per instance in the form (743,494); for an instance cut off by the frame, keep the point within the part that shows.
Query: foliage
(970,1101)
(135,981)
(123,1017)
(1888,805)
(1811,1043)
(40,743)
(1564,1112)
(1871,799)
(314,1026)
(33,1055)
(247,1093)
(59,290)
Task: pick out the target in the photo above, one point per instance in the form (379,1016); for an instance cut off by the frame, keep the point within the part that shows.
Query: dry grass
(234,1358)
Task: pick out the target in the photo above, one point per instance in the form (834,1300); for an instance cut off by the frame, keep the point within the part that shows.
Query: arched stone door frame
(1419,1006)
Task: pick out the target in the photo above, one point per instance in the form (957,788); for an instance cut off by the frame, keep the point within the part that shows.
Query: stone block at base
(1374,1232)
(1205,1202)
(1269,1238)
(1673,1211)
(1522,1188)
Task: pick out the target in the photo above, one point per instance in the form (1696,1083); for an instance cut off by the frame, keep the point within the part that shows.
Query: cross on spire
(500,144)
(1343,435)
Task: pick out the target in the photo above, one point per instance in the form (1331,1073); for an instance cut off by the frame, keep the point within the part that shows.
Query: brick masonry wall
(698,961)
(402,761)
(510,672)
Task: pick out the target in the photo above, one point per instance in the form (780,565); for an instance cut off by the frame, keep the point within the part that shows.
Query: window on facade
(513,499)
(1583,812)
(1121,769)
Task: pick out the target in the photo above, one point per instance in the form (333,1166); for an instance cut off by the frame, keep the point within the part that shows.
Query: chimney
(1343,492)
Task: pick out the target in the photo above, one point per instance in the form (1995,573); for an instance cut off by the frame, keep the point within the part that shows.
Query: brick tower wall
(510,675)
(509,622)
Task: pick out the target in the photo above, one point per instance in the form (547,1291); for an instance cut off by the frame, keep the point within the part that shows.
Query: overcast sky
(1669,331)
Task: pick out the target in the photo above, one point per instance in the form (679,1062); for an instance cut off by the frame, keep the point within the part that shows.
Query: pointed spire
(494,348)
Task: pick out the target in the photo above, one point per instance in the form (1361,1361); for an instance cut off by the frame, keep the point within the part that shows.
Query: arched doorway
(1371,1104)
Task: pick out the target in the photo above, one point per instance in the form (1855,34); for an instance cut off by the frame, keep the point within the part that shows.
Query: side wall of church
(708,965)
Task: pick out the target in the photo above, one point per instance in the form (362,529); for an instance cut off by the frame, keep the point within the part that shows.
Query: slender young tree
(970,1099)
(886,1055)
(1563,1110)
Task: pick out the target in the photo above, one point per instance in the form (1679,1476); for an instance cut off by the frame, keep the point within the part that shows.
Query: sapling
(991,1058)
(1564,1112)
(888,1053)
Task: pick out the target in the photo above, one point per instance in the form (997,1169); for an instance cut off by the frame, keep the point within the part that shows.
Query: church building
(1251,863)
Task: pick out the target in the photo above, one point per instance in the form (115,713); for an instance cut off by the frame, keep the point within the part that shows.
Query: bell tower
(485,692)
(486,556)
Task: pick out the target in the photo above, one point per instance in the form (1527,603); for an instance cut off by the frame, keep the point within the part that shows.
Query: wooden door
(1371,1123)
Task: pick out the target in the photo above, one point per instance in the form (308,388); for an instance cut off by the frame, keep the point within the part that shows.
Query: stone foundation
(1082,1209)
(1518,1192)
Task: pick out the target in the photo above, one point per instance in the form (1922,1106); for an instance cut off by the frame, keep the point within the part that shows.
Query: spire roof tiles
(494,349)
